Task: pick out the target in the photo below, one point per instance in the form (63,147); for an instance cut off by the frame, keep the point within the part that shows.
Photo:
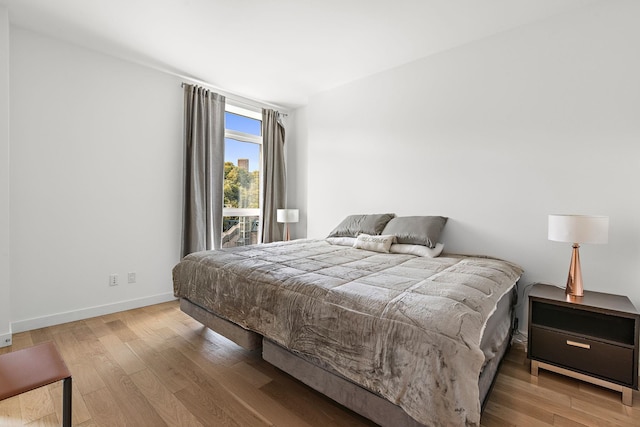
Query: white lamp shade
(287,215)
(579,228)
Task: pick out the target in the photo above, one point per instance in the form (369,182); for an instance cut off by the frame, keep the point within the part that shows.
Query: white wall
(96,176)
(297,168)
(496,135)
(5,294)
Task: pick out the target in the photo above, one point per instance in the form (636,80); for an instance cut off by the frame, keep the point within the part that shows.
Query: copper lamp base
(574,281)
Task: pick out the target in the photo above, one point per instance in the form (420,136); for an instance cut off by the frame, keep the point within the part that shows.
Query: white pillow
(341,241)
(417,250)
(374,243)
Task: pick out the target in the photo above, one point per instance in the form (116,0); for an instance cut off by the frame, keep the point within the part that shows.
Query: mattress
(407,328)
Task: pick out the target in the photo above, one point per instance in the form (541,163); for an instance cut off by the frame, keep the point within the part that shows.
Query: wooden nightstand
(593,338)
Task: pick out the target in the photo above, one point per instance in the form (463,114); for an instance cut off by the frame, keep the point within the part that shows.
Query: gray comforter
(405,327)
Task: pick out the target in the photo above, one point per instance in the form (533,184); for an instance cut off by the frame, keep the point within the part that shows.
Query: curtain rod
(244,101)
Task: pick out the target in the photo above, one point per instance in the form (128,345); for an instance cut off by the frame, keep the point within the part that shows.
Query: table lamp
(577,229)
(287,216)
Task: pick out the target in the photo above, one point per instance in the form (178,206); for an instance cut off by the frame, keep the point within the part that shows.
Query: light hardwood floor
(155,366)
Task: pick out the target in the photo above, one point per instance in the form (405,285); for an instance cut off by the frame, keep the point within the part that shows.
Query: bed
(402,336)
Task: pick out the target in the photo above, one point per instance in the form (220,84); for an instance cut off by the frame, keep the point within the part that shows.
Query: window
(242,176)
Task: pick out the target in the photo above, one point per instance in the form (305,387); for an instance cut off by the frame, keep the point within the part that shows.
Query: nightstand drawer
(608,361)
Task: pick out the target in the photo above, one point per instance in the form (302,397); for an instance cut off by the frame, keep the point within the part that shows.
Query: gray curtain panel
(274,175)
(203,169)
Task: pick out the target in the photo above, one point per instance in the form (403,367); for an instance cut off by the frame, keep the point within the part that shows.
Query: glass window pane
(241,174)
(242,124)
(239,231)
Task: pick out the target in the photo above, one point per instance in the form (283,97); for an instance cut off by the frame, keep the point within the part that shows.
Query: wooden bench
(34,367)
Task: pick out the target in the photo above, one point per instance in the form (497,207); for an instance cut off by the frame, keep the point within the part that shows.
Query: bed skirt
(331,384)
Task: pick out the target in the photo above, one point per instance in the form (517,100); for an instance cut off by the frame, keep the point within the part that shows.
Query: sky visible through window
(235,150)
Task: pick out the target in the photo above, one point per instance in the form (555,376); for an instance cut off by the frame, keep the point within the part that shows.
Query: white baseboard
(86,313)
(5,340)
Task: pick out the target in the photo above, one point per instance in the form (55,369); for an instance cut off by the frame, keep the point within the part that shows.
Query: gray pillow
(416,230)
(353,225)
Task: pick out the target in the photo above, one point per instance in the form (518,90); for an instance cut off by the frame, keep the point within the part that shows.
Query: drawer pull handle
(578,344)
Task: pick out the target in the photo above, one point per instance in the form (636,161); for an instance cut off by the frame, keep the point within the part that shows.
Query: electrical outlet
(131,277)
(5,340)
(113,280)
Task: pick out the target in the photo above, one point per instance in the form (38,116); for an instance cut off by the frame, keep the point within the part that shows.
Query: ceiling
(276,51)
